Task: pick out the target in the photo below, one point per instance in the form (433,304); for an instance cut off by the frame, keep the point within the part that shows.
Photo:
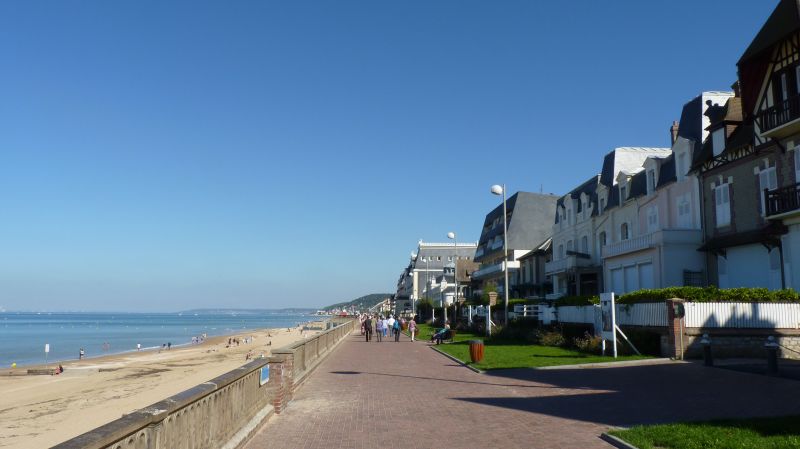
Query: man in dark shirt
(368,328)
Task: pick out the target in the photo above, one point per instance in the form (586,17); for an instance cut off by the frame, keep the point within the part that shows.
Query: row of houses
(719,206)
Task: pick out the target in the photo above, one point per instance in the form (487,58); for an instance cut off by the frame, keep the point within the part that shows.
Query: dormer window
(622,193)
(602,205)
(651,181)
(718,141)
(681,166)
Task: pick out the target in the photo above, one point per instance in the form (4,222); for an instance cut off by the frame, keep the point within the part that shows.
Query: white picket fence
(709,315)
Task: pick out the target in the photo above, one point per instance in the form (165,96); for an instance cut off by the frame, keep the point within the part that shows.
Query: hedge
(710,294)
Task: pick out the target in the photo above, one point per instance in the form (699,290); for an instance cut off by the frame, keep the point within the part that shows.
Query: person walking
(379,328)
(385,324)
(368,328)
(396,329)
(412,328)
(390,323)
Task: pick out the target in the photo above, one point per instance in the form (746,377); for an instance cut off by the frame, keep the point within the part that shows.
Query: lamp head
(451,235)
(497,189)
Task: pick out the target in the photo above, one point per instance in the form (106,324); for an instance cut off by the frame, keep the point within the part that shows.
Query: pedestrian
(169,345)
(396,330)
(390,323)
(385,324)
(412,328)
(367,326)
(138,346)
(81,353)
(379,328)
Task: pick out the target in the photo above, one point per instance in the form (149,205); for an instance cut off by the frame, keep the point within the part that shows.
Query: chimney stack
(673,132)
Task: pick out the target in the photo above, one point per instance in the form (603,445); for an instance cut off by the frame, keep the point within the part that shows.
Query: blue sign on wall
(264,375)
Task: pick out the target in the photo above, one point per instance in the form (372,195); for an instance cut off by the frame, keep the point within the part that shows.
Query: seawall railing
(225,411)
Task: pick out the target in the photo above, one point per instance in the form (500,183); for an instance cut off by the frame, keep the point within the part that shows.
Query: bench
(450,337)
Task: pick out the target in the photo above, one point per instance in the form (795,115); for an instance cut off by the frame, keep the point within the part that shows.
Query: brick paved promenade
(404,395)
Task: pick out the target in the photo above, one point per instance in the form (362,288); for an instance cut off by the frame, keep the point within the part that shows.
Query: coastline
(43,410)
(211,339)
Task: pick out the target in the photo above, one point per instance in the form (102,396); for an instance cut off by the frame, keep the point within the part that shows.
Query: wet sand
(40,411)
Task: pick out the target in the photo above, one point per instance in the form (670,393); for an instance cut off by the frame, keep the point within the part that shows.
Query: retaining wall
(223,412)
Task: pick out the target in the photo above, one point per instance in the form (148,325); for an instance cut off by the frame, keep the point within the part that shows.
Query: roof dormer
(623,185)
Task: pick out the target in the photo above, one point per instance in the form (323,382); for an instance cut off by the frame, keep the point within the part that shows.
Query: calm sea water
(23,335)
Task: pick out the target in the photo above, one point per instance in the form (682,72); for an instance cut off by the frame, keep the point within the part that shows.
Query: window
(585,244)
(684,211)
(651,181)
(652,219)
(561,250)
(718,141)
(569,246)
(722,202)
(603,239)
(571,220)
(767,180)
(784,88)
(623,231)
(622,195)
(602,205)
(796,154)
(681,166)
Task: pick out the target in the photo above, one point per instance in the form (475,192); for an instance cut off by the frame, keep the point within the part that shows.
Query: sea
(24,336)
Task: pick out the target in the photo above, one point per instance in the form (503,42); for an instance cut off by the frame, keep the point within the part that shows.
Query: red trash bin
(476,350)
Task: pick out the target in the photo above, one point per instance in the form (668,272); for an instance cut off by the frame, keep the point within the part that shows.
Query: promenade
(405,395)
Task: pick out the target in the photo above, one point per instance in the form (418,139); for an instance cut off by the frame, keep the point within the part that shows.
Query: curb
(472,368)
(643,362)
(616,442)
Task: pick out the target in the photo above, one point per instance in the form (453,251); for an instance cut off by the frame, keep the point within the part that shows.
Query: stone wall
(223,412)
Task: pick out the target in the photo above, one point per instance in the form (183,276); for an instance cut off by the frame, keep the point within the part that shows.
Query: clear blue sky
(167,155)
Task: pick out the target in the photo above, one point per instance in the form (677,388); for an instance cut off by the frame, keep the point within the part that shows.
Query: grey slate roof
(530,223)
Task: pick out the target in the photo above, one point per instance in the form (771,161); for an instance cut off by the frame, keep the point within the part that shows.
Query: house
(530,281)
(528,217)
(430,260)
(769,80)
(592,216)
(655,227)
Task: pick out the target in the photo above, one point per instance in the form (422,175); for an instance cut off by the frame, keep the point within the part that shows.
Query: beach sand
(41,411)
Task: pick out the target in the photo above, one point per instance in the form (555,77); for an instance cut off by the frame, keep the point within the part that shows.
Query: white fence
(708,315)
(742,315)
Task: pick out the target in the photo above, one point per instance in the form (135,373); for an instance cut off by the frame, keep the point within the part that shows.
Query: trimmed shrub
(552,339)
(584,300)
(710,294)
(588,343)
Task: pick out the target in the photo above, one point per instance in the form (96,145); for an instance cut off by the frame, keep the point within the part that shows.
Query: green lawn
(758,433)
(503,354)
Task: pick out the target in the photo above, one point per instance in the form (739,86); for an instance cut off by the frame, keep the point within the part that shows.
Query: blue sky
(167,155)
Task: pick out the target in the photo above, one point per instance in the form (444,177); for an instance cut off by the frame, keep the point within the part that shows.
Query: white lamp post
(501,190)
(452,236)
(427,283)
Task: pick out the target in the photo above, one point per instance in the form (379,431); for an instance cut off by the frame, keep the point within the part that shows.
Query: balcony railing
(628,246)
(490,270)
(780,201)
(779,115)
(479,252)
(497,244)
(567,263)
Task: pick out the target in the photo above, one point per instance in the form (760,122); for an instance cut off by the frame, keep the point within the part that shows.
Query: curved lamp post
(501,190)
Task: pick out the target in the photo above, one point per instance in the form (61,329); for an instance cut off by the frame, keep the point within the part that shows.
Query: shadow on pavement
(625,396)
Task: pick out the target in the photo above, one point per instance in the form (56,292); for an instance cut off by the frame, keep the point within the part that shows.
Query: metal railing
(782,200)
(782,113)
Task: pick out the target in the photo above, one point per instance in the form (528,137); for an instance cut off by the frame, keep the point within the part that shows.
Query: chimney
(737,91)
(673,132)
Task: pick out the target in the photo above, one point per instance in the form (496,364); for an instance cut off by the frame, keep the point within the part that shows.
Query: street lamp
(501,190)
(452,236)
(427,285)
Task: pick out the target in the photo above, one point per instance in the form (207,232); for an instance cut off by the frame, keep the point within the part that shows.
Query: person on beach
(379,328)
(81,353)
(396,330)
(138,346)
(412,328)
(169,345)
(367,326)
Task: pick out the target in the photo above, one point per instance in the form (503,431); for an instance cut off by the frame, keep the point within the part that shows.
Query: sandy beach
(40,411)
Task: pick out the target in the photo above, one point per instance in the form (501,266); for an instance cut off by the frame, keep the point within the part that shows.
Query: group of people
(381,326)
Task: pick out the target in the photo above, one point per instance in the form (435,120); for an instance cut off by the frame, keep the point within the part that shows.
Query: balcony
(479,252)
(492,270)
(628,246)
(568,263)
(497,245)
(782,201)
(780,120)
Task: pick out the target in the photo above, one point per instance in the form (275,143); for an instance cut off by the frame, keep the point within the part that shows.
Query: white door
(646,276)
(631,279)
(617,282)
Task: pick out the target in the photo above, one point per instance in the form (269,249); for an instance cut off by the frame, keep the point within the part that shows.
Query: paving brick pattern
(405,395)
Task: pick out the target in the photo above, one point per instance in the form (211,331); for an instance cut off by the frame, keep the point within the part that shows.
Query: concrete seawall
(226,410)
